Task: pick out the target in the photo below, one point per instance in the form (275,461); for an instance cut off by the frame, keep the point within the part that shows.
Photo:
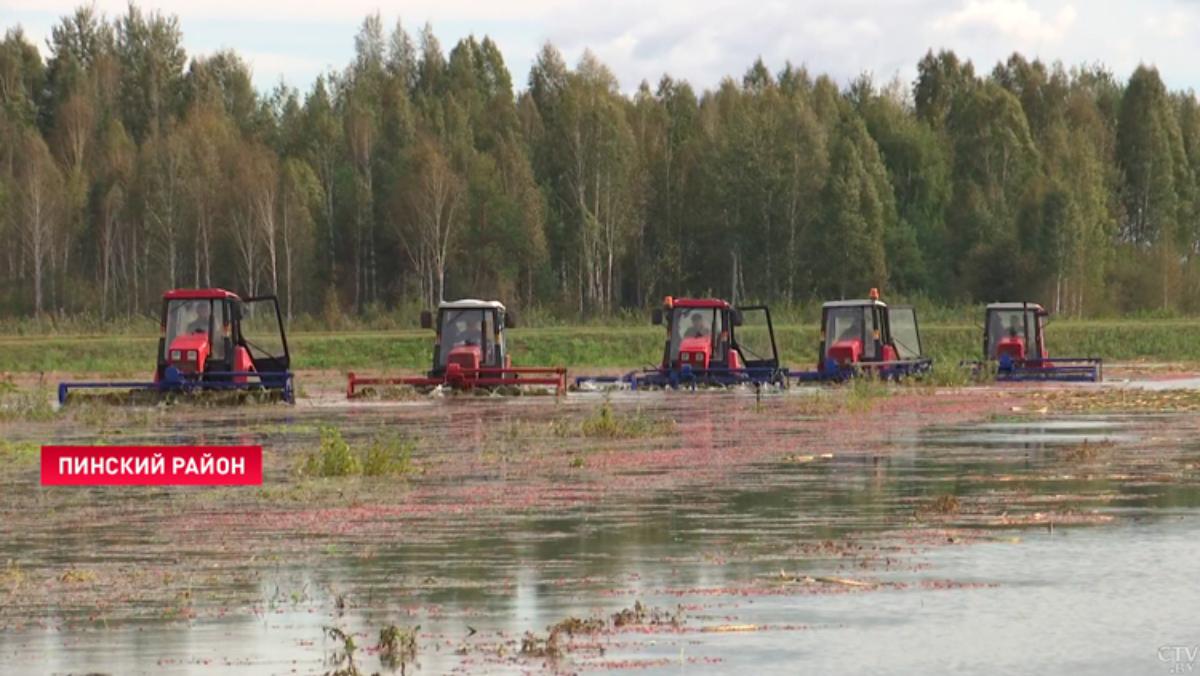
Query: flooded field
(997,530)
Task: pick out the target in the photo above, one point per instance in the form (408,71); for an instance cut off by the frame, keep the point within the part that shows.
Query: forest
(128,166)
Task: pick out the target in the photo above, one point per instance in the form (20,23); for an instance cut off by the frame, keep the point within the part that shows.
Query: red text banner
(152,465)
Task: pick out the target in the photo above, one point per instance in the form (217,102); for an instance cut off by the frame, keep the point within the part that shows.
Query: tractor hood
(188,352)
(466,357)
(848,351)
(1012,347)
(695,352)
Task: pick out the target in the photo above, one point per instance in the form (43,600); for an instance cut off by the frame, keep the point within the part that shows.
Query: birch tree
(39,186)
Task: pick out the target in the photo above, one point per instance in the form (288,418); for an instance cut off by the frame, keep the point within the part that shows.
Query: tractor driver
(853,330)
(1016,325)
(200,323)
(463,333)
(699,328)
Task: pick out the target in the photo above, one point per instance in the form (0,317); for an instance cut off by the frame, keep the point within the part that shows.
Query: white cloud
(1174,24)
(1012,19)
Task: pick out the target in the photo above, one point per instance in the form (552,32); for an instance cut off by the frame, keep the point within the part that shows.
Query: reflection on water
(840,563)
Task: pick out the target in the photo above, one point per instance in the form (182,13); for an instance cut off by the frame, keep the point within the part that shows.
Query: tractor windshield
(187,317)
(855,322)
(1015,323)
(469,327)
(697,322)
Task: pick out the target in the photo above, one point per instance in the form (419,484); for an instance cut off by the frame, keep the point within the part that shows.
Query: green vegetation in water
(333,458)
(606,423)
(863,393)
(387,393)
(22,405)
(397,647)
(552,646)
(197,398)
(77,576)
(12,576)
(109,419)
(18,454)
(389,456)
(956,374)
(1101,400)
(1087,451)
(341,657)
(946,504)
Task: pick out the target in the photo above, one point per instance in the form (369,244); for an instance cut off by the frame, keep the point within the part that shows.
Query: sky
(701,41)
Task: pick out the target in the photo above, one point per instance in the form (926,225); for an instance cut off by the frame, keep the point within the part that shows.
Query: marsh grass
(946,374)
(341,657)
(332,458)
(863,393)
(946,504)
(12,576)
(1085,452)
(388,393)
(389,456)
(1102,400)
(25,405)
(606,423)
(817,404)
(397,647)
(77,576)
(553,646)
(18,454)
(149,398)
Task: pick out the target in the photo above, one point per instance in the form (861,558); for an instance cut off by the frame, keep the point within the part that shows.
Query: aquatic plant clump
(397,647)
(607,424)
(389,456)
(24,405)
(332,458)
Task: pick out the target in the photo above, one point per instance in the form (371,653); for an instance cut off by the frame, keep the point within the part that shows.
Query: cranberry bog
(897,529)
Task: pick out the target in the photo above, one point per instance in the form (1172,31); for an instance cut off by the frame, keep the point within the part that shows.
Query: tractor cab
(709,343)
(469,353)
(1014,331)
(868,331)
(1014,340)
(710,334)
(470,335)
(213,334)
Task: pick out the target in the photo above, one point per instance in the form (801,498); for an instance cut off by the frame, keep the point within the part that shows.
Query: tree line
(128,167)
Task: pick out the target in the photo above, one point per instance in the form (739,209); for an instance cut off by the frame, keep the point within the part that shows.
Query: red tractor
(1014,339)
(470,352)
(867,336)
(214,340)
(709,342)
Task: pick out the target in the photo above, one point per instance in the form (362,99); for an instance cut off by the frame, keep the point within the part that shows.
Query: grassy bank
(591,346)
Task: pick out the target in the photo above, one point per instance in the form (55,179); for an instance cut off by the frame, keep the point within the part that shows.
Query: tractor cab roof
(200,294)
(696,303)
(862,302)
(471,304)
(1017,306)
